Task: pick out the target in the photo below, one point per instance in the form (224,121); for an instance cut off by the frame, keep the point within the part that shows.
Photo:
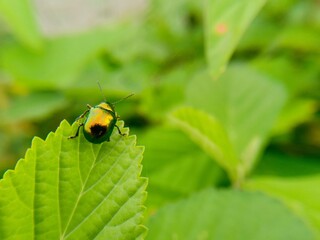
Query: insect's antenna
(105,99)
(120,100)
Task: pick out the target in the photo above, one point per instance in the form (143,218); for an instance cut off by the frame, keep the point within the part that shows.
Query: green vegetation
(226,107)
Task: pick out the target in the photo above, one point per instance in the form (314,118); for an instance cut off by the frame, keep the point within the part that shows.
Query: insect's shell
(100,123)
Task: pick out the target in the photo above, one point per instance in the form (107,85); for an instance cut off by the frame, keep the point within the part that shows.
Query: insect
(99,122)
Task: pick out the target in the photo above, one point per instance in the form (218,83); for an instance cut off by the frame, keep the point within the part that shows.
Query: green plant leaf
(68,54)
(175,28)
(72,189)
(176,167)
(19,15)
(208,133)
(301,194)
(226,22)
(259,35)
(283,165)
(33,106)
(133,77)
(289,72)
(301,38)
(245,102)
(169,90)
(294,113)
(227,215)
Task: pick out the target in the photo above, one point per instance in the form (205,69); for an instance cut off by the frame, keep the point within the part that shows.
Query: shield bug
(99,122)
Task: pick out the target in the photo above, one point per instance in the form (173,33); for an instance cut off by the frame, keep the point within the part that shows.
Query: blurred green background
(170,54)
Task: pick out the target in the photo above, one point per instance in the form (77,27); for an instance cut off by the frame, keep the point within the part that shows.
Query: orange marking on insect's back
(97,117)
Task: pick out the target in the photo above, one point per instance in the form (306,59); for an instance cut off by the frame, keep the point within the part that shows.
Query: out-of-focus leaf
(19,15)
(301,194)
(276,8)
(173,16)
(168,90)
(73,189)
(132,77)
(281,165)
(300,38)
(175,166)
(225,24)
(298,78)
(258,36)
(134,41)
(176,28)
(61,60)
(6,160)
(296,112)
(33,106)
(208,133)
(161,151)
(228,215)
(245,102)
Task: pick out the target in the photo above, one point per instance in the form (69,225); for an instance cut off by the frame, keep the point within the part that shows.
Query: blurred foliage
(226,95)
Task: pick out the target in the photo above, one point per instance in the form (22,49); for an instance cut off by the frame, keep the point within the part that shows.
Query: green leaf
(33,106)
(169,90)
(176,167)
(295,112)
(301,194)
(19,15)
(226,22)
(289,72)
(132,77)
(258,36)
(276,8)
(72,189)
(61,60)
(302,38)
(227,215)
(245,102)
(208,133)
(284,165)
(175,28)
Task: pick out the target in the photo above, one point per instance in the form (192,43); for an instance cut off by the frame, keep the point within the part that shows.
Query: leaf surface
(72,189)
(19,15)
(209,134)
(228,215)
(176,167)
(68,54)
(301,194)
(245,102)
(226,22)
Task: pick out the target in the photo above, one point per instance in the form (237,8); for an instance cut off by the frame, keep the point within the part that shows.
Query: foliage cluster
(226,104)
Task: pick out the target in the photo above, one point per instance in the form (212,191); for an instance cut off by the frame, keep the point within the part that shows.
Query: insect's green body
(99,123)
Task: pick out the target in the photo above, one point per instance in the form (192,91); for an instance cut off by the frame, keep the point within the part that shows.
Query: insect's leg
(77,133)
(83,114)
(122,134)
